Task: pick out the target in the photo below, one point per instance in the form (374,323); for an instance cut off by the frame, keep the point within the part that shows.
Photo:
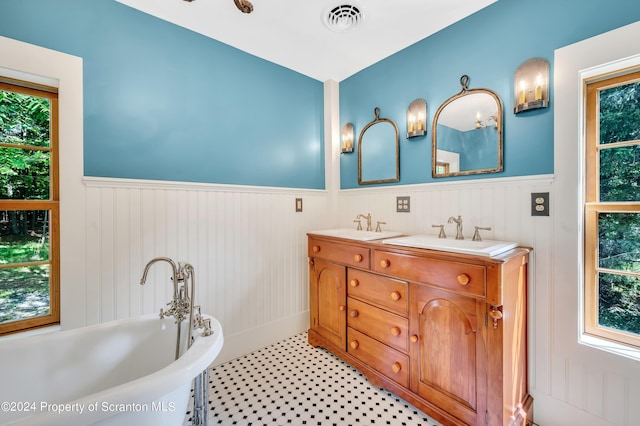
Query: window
(29,206)
(612,208)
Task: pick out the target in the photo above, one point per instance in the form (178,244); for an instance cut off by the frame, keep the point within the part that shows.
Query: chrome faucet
(180,307)
(458,222)
(174,269)
(368,217)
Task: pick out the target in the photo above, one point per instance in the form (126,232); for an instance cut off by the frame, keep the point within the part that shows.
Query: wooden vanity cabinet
(328,303)
(444,331)
(328,293)
(449,362)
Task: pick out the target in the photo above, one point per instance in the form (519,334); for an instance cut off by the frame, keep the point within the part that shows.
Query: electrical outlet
(539,204)
(403,204)
(298,205)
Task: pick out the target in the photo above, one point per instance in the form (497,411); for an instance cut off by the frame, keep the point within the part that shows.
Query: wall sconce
(347,138)
(531,85)
(483,124)
(417,118)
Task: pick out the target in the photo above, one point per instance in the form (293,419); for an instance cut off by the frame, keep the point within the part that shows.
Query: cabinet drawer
(391,363)
(380,291)
(388,328)
(460,277)
(340,253)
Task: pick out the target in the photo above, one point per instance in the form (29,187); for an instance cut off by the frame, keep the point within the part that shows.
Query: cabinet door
(448,358)
(329,301)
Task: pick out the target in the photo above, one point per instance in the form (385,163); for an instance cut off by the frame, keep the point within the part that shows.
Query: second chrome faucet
(458,223)
(361,216)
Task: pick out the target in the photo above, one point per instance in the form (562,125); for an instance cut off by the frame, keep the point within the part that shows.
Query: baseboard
(240,344)
(548,411)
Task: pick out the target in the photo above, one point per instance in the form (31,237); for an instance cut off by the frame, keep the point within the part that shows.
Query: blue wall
(477,148)
(488,46)
(162,102)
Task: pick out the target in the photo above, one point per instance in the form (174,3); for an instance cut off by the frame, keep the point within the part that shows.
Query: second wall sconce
(347,138)
(417,118)
(531,85)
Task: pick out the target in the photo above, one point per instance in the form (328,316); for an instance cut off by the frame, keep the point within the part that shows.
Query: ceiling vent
(343,18)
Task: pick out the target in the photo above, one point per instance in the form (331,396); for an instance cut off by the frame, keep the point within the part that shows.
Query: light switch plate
(539,204)
(298,205)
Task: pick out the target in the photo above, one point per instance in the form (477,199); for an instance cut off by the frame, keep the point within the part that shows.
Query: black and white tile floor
(292,383)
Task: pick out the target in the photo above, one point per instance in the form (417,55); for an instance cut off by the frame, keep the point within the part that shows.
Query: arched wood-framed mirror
(467,133)
(379,151)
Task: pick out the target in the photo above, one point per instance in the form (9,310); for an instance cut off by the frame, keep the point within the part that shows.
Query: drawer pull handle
(354,344)
(385,263)
(396,367)
(354,314)
(355,283)
(414,339)
(463,279)
(395,331)
(358,258)
(396,295)
(315,249)
(342,308)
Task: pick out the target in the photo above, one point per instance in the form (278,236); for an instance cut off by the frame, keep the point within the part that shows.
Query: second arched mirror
(467,133)
(379,151)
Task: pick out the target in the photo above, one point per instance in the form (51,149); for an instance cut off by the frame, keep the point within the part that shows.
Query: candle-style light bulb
(411,123)
(420,118)
(522,95)
(538,93)
(347,139)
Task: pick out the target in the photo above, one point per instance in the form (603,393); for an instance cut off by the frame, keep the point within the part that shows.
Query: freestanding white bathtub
(117,373)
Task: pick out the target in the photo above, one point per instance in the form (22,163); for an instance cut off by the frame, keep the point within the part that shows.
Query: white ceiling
(291,33)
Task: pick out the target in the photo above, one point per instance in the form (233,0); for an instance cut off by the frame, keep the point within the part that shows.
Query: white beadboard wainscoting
(504,204)
(247,245)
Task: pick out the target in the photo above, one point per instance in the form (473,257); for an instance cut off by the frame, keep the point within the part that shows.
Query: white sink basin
(353,234)
(487,248)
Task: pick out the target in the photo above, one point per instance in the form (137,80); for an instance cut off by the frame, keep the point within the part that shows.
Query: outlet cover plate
(539,204)
(403,204)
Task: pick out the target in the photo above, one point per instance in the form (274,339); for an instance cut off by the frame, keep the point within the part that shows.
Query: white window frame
(45,66)
(611,68)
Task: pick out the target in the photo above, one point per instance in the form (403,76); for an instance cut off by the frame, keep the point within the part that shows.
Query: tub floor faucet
(179,305)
